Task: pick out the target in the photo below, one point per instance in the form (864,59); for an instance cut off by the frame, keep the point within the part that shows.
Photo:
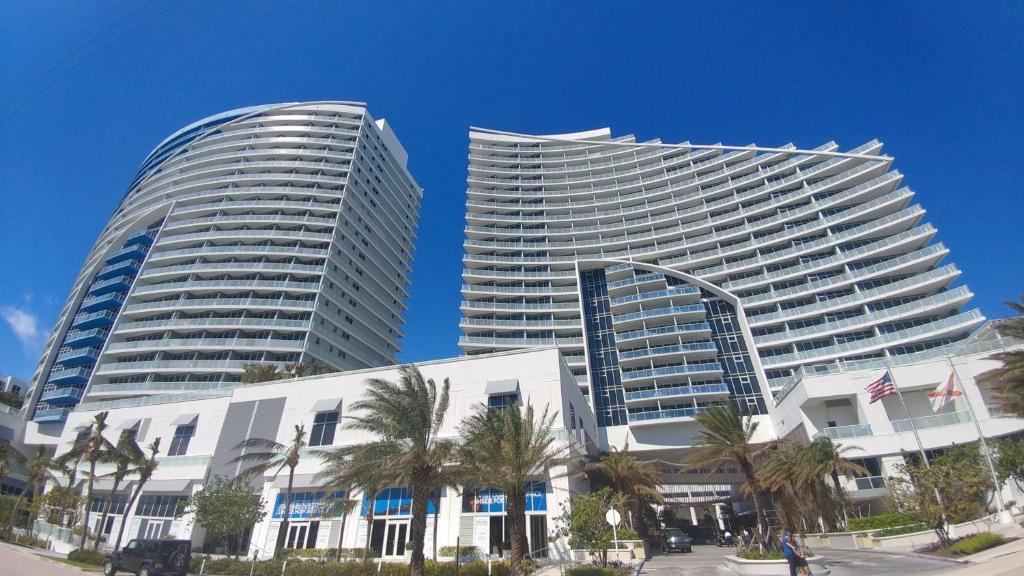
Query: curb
(640,567)
(960,561)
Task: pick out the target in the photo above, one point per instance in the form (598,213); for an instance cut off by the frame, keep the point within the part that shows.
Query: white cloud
(23,324)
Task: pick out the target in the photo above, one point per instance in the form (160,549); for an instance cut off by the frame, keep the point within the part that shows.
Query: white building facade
(272,234)
(199,436)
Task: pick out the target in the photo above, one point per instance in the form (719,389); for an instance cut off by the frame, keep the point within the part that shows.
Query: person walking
(788,552)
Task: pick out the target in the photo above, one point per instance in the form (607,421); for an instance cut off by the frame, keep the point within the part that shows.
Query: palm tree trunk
(106,512)
(437,508)
(369,522)
(341,534)
(755,490)
(14,512)
(37,492)
(127,511)
(516,515)
(88,504)
(282,534)
(418,525)
(71,483)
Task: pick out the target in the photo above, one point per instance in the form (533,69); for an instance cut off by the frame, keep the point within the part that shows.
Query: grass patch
(880,521)
(976,543)
(595,571)
(82,565)
(755,554)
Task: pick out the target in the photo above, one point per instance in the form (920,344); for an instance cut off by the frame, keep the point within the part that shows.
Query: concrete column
(693,516)
(718,516)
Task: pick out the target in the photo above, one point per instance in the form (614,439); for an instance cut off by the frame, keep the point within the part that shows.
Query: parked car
(674,539)
(150,558)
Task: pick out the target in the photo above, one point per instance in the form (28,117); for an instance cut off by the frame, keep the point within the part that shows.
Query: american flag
(881,388)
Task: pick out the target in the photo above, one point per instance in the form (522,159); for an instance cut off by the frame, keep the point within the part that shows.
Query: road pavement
(21,561)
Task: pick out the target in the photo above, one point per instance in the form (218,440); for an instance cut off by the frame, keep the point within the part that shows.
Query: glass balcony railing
(220,303)
(850,431)
(677,391)
(674,291)
(663,331)
(111,301)
(934,421)
(520,341)
(670,311)
(126,268)
(142,237)
(78,356)
(94,320)
(50,415)
(632,375)
(86,337)
(116,284)
(870,482)
(129,253)
(663,414)
(674,349)
(62,396)
(68,376)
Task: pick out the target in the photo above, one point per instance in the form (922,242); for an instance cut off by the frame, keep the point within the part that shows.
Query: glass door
(395,537)
(297,535)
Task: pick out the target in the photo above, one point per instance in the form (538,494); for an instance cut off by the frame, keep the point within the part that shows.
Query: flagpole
(1004,517)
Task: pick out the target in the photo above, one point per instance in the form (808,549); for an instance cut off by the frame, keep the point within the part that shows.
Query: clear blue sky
(942,84)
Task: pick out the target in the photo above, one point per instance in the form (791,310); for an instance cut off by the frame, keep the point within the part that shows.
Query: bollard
(284,566)
(202,567)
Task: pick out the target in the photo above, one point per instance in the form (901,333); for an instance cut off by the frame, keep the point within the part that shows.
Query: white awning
(129,424)
(175,485)
(327,405)
(184,419)
(502,387)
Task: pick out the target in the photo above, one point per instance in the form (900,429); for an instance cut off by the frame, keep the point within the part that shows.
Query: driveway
(710,561)
(20,561)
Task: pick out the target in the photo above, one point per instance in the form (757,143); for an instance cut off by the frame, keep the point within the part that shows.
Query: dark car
(150,558)
(674,539)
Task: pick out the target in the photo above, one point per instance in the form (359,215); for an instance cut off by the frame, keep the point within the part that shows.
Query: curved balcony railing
(658,295)
(677,392)
(519,289)
(257,233)
(222,218)
(658,312)
(206,343)
(214,284)
(233,267)
(267,204)
(488,323)
(188,365)
(520,341)
(288,303)
(148,325)
(643,278)
(538,307)
(249,249)
(552,274)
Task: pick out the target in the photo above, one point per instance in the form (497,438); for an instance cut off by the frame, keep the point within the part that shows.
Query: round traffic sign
(613,517)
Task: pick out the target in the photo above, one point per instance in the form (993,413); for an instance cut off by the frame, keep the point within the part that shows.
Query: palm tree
(144,468)
(825,458)
(339,471)
(8,455)
(792,490)
(272,456)
(308,368)
(727,436)
(254,373)
(508,449)
(406,419)
(636,479)
(124,457)
(1007,381)
(41,467)
(92,447)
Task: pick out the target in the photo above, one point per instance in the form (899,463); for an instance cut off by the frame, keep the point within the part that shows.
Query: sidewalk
(999,561)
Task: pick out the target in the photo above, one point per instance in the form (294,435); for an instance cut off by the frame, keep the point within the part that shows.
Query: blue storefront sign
(307,505)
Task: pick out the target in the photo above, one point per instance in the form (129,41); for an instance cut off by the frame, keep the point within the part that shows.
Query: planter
(772,567)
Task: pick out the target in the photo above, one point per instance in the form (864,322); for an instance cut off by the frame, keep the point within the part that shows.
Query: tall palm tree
(92,447)
(308,368)
(824,458)
(508,449)
(254,373)
(636,479)
(144,469)
(9,455)
(727,436)
(405,418)
(271,456)
(124,457)
(340,471)
(41,467)
(1007,381)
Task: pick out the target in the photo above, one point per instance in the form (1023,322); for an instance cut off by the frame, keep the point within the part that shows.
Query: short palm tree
(263,455)
(40,468)
(144,469)
(827,459)
(308,368)
(91,447)
(727,436)
(636,479)
(508,449)
(340,472)
(1007,381)
(254,373)
(124,457)
(405,419)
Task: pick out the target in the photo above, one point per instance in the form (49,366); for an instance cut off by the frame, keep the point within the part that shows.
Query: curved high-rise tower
(674,275)
(273,234)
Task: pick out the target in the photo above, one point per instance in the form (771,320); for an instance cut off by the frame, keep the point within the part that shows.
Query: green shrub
(755,554)
(595,571)
(628,534)
(976,543)
(462,551)
(93,557)
(908,529)
(880,521)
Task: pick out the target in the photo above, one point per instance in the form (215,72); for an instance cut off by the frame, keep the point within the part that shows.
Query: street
(710,561)
(21,561)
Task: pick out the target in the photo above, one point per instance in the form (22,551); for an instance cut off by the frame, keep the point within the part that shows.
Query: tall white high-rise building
(272,234)
(672,276)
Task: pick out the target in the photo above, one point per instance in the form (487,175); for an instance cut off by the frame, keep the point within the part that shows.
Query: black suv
(150,558)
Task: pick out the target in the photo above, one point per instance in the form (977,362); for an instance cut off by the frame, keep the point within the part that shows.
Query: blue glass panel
(605,378)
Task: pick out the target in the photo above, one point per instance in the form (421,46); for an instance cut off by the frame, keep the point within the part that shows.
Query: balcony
(678,392)
(69,376)
(94,320)
(86,337)
(693,309)
(116,284)
(693,328)
(126,254)
(837,432)
(869,487)
(62,396)
(78,356)
(660,416)
(660,294)
(106,302)
(141,238)
(51,415)
(681,370)
(125,268)
(701,349)
(936,421)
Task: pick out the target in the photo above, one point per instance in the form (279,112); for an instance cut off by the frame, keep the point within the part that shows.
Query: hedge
(880,521)
(87,556)
(773,554)
(228,567)
(595,571)
(976,543)
(908,529)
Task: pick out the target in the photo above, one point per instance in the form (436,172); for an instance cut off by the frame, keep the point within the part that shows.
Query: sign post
(613,517)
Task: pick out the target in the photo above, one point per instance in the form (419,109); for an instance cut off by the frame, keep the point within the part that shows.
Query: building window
(502,401)
(161,506)
(324,425)
(182,436)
